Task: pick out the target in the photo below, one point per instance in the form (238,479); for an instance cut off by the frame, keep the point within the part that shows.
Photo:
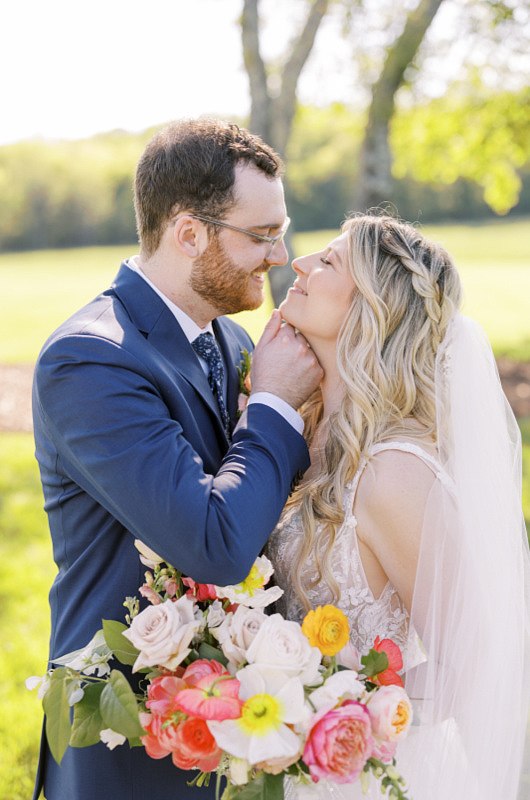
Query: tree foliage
(471,133)
(457,157)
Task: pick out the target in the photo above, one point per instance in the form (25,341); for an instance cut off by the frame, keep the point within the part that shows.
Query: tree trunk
(272,117)
(374,183)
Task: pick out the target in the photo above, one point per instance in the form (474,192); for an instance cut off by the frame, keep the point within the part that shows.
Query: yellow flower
(326,628)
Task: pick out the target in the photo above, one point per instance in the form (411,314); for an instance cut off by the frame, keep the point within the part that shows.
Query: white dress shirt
(192,330)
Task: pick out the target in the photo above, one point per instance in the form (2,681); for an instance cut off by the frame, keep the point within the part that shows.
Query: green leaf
(119,708)
(374,663)
(263,787)
(123,649)
(213,653)
(88,721)
(57,711)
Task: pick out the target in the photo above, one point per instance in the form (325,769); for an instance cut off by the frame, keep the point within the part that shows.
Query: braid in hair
(406,290)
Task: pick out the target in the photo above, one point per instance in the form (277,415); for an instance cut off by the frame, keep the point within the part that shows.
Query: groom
(135,412)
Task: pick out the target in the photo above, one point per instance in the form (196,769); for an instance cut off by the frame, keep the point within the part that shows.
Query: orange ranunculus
(389,676)
(195,746)
(327,628)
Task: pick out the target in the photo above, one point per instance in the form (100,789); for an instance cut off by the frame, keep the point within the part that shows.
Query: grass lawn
(40,289)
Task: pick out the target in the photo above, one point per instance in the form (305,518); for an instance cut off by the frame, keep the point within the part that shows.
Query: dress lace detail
(369,616)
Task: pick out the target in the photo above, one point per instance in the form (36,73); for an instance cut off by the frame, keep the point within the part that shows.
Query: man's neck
(174,285)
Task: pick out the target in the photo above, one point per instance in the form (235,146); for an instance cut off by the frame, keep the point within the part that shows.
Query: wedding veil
(471,604)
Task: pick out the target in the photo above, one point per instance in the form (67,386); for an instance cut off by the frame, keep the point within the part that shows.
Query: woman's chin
(284,311)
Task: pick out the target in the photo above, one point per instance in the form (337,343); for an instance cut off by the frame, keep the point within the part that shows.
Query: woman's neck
(331,385)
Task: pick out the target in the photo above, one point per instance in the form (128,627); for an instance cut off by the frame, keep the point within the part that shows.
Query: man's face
(230,274)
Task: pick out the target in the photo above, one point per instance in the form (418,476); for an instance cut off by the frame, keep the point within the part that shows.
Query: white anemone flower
(111,738)
(93,659)
(272,702)
(251,591)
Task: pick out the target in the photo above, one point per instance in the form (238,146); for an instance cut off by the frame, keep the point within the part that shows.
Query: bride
(409,518)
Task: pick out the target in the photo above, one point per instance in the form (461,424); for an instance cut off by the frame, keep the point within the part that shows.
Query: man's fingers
(271,328)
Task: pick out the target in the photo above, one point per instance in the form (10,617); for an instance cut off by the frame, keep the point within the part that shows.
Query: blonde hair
(406,290)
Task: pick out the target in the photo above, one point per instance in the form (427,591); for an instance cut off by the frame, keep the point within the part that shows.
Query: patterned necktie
(206,347)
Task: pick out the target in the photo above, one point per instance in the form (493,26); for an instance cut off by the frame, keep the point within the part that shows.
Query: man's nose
(279,255)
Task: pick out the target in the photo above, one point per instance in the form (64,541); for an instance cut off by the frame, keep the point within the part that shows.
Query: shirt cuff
(284,409)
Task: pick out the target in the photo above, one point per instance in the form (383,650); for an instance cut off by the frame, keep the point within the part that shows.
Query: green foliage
(264,787)
(88,721)
(124,651)
(119,708)
(468,133)
(374,663)
(57,710)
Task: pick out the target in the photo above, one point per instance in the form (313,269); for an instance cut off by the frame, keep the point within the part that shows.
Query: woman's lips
(298,290)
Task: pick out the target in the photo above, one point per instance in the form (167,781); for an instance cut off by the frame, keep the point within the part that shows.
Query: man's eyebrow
(267,226)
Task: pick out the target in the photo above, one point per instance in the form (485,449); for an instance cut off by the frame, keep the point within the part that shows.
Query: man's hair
(190,166)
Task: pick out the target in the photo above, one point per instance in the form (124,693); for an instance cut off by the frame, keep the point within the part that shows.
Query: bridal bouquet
(229,691)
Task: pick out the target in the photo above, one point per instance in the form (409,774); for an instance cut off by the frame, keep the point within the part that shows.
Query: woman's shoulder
(396,482)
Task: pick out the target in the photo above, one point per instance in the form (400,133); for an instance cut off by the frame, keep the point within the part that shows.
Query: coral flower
(200,591)
(326,628)
(389,676)
(211,692)
(161,694)
(195,746)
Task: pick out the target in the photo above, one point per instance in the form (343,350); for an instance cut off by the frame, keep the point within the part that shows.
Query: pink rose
(384,751)
(339,743)
(391,713)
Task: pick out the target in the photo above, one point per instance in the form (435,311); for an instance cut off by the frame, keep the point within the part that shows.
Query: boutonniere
(244,381)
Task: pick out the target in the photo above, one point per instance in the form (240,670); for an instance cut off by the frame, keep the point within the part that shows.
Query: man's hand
(284,364)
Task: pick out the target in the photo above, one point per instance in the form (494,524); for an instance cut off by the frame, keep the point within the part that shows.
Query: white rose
(390,711)
(342,685)
(162,633)
(237,633)
(280,645)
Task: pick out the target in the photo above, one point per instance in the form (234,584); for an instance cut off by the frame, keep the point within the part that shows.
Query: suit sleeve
(115,438)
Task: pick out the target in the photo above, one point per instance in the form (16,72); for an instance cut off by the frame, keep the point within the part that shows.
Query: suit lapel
(153,318)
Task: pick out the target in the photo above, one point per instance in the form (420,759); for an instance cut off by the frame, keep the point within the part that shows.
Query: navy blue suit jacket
(130,445)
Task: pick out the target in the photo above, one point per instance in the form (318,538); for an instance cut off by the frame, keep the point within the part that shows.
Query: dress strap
(409,447)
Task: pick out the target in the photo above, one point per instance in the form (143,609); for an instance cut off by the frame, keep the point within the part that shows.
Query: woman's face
(321,296)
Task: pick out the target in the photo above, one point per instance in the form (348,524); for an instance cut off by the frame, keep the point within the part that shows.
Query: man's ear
(189,236)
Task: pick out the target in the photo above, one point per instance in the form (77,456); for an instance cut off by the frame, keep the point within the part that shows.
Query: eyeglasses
(271,240)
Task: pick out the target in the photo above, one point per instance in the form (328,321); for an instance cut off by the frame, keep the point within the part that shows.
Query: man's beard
(226,287)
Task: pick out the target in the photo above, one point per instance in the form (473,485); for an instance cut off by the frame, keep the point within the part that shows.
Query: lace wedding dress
(369,616)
